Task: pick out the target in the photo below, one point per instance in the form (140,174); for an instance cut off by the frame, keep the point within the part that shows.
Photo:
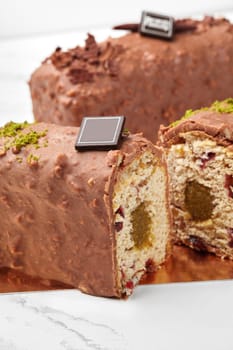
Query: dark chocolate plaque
(100,133)
(157,25)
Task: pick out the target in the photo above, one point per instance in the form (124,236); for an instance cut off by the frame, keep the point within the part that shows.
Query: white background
(22,17)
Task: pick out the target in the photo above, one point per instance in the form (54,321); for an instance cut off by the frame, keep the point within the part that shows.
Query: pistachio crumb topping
(17,139)
(11,129)
(30,138)
(225,106)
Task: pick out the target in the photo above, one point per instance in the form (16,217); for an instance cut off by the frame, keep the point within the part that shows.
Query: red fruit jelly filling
(229,185)
(206,158)
(118,226)
(120,211)
(129,285)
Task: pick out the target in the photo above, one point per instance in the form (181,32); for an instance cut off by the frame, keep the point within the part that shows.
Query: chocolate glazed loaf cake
(199,151)
(150,80)
(95,220)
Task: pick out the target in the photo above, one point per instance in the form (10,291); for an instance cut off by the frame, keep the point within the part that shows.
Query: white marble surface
(176,316)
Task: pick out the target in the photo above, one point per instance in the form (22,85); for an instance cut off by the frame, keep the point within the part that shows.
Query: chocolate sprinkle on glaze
(83,64)
(78,76)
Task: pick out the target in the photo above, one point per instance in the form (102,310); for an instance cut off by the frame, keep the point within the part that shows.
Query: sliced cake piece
(199,151)
(95,220)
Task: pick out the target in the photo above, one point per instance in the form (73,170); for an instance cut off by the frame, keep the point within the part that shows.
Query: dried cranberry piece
(150,266)
(129,285)
(230,234)
(229,184)
(197,243)
(118,226)
(120,211)
(206,158)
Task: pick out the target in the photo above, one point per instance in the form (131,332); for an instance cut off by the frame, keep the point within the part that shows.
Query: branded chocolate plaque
(154,24)
(100,133)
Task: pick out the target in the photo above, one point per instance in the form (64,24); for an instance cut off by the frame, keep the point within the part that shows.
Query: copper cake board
(185,265)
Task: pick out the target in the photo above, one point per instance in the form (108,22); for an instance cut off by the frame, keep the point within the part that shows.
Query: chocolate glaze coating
(217,125)
(149,80)
(57,220)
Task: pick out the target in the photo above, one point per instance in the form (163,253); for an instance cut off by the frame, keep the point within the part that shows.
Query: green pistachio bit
(16,139)
(187,115)
(24,139)
(126,132)
(198,201)
(141,232)
(12,129)
(19,159)
(225,106)
(32,158)
(31,138)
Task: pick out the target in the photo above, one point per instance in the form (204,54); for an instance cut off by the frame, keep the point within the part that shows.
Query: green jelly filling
(198,201)
(142,223)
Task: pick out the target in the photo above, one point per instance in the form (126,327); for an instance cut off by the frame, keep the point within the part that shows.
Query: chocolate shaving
(61,59)
(133,27)
(111,67)
(184,25)
(78,61)
(80,75)
(92,50)
(209,20)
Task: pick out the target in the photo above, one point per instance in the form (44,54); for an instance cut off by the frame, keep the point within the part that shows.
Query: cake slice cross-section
(94,220)
(199,151)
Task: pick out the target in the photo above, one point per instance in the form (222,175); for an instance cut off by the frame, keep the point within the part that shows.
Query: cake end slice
(199,151)
(141,218)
